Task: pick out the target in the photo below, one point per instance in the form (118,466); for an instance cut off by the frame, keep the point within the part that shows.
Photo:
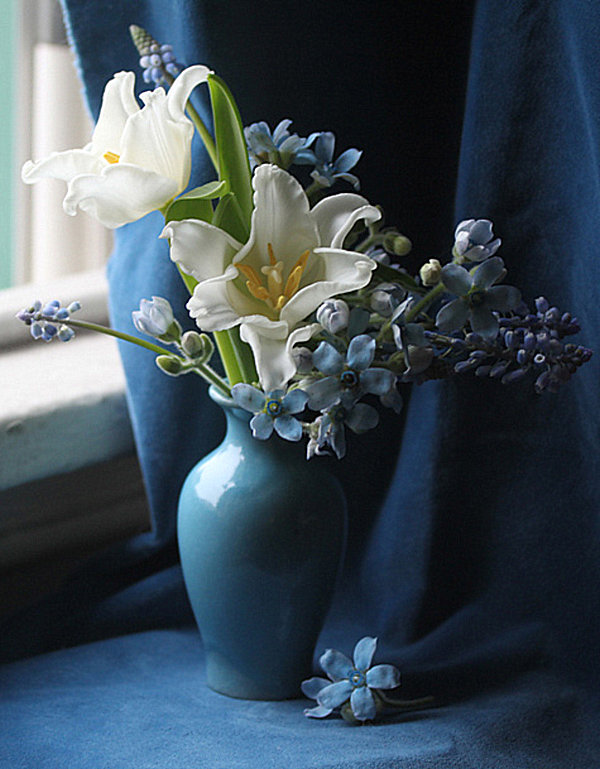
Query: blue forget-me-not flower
(327,170)
(351,682)
(278,146)
(477,298)
(273,411)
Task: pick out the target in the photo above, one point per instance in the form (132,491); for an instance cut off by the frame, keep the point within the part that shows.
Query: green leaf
(234,166)
(189,208)
(228,217)
(208,191)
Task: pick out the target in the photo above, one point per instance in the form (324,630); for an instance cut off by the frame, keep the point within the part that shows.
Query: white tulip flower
(138,159)
(293,261)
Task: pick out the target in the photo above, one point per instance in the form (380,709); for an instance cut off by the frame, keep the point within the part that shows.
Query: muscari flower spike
(278,146)
(158,61)
(47,321)
(349,376)
(353,684)
(477,298)
(474,241)
(272,411)
(327,170)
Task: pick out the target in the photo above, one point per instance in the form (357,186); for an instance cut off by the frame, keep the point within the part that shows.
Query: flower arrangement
(302,291)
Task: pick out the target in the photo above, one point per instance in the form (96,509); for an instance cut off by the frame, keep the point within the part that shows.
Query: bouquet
(301,290)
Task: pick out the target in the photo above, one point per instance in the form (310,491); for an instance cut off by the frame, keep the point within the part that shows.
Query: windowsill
(69,478)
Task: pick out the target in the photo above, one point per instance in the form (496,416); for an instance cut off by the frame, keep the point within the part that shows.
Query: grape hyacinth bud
(158,61)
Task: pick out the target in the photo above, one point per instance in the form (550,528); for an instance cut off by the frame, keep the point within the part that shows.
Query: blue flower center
(357,679)
(349,379)
(476,298)
(273,408)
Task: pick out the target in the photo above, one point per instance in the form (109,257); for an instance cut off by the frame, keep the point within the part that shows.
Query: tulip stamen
(111,157)
(275,295)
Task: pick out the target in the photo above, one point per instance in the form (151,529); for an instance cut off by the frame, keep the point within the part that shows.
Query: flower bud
(333,315)
(197,346)
(431,272)
(395,243)
(169,364)
(303,359)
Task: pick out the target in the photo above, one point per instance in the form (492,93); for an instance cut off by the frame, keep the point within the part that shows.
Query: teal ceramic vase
(261,535)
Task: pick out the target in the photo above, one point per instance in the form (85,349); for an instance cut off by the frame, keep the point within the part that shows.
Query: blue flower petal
(324,393)
(327,359)
(347,160)
(320,711)
(361,352)
(503,297)
(247,397)
(262,426)
(312,686)
(350,178)
(363,652)
(288,427)
(377,380)
(383,677)
(362,418)
(337,440)
(488,272)
(336,665)
(481,231)
(325,146)
(336,694)
(295,401)
(452,316)
(363,705)
(484,322)
(456,279)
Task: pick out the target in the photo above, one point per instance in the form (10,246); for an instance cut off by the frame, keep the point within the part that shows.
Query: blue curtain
(474,550)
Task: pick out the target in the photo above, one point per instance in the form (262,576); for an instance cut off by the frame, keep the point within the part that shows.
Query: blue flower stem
(416,704)
(314,193)
(205,371)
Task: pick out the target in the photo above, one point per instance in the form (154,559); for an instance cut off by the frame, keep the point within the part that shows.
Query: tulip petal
(280,220)
(383,677)
(337,214)
(118,105)
(336,665)
(363,705)
(62,165)
(336,273)
(335,694)
(180,91)
(201,249)
(121,193)
(273,354)
(363,652)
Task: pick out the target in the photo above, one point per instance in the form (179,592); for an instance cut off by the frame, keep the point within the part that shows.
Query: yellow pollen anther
(249,272)
(271,254)
(111,157)
(274,294)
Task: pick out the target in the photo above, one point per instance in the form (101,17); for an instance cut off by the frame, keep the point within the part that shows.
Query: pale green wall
(7,57)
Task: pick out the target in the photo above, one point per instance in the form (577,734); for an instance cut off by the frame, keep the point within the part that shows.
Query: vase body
(261,536)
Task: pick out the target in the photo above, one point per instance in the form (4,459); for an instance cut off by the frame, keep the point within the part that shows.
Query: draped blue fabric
(474,549)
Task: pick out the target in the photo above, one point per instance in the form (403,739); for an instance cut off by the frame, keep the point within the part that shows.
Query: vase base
(222,678)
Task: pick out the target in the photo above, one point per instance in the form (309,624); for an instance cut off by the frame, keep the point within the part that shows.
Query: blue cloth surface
(474,550)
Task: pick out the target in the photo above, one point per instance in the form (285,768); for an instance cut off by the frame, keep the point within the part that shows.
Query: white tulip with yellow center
(293,261)
(138,159)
